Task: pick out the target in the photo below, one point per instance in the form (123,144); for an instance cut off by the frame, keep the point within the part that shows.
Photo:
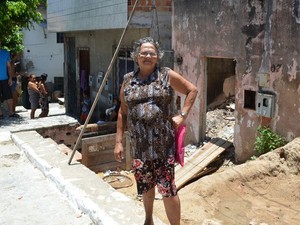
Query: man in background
(6,82)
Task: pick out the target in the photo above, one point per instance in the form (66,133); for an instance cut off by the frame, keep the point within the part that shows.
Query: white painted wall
(83,15)
(42,50)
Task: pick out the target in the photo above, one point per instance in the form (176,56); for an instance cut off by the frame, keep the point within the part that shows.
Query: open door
(70,89)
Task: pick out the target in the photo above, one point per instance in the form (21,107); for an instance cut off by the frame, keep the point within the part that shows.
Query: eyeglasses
(145,54)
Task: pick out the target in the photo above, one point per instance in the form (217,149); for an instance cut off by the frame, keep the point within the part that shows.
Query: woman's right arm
(32,86)
(121,124)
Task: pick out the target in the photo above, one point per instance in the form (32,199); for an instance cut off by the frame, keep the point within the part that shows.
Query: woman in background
(34,94)
(44,104)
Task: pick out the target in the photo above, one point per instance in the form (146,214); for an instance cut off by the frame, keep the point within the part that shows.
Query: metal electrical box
(265,104)
(99,78)
(91,80)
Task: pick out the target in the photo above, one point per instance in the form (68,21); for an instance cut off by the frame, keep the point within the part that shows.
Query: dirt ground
(263,191)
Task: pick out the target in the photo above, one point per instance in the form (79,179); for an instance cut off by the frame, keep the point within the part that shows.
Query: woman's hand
(118,152)
(9,81)
(177,121)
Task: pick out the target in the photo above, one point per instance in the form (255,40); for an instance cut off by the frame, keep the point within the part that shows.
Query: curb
(94,197)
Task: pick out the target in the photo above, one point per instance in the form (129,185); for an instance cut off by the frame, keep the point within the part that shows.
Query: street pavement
(27,196)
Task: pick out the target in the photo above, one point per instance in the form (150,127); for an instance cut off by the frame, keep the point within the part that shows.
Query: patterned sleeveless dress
(44,104)
(150,112)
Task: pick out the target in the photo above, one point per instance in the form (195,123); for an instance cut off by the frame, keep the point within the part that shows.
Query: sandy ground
(263,191)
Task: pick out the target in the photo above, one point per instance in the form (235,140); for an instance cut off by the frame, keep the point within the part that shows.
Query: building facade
(256,42)
(92,30)
(43,53)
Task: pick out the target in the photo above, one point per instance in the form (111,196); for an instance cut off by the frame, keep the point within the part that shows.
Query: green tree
(16,15)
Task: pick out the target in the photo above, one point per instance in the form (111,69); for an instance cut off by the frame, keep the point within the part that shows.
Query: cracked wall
(262,36)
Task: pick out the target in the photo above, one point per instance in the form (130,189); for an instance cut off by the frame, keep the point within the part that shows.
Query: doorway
(84,71)
(70,79)
(220,94)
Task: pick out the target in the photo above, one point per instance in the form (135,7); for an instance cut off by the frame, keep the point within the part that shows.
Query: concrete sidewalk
(27,196)
(94,197)
(56,117)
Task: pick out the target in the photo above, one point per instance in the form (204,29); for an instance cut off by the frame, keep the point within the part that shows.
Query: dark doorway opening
(220,72)
(71,102)
(220,109)
(84,71)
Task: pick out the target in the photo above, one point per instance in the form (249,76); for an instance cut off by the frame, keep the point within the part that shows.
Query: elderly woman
(147,109)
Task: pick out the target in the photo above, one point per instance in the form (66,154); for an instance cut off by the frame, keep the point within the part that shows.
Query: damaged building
(257,42)
(249,46)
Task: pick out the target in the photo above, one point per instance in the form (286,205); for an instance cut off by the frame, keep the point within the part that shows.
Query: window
(59,37)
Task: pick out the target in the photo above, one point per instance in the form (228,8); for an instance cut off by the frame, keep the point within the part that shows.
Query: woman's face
(32,79)
(147,57)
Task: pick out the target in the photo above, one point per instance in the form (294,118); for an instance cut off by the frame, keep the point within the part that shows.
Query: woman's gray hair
(137,47)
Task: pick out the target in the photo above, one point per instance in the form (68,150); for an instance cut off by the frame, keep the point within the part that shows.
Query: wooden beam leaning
(198,161)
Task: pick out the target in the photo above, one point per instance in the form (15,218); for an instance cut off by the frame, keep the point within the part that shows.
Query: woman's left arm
(180,84)
(43,89)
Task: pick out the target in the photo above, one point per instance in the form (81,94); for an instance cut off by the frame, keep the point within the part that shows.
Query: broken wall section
(262,37)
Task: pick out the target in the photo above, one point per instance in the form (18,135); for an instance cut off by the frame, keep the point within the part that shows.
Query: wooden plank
(199,162)
(204,172)
(199,156)
(108,127)
(108,166)
(193,163)
(98,152)
(197,153)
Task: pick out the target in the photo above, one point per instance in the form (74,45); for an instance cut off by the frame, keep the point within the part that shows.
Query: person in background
(43,101)
(5,82)
(86,106)
(34,94)
(147,110)
(15,87)
(111,113)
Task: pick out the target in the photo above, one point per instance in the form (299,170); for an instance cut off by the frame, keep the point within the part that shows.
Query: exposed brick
(146,5)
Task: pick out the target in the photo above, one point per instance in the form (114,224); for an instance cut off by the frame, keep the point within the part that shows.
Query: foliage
(16,15)
(267,141)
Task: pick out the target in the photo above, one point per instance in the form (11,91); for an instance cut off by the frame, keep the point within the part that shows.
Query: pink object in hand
(179,144)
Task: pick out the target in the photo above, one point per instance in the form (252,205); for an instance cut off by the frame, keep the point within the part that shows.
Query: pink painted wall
(263,38)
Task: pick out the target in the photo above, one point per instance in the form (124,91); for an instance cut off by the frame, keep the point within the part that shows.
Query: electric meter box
(99,78)
(265,104)
(91,80)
